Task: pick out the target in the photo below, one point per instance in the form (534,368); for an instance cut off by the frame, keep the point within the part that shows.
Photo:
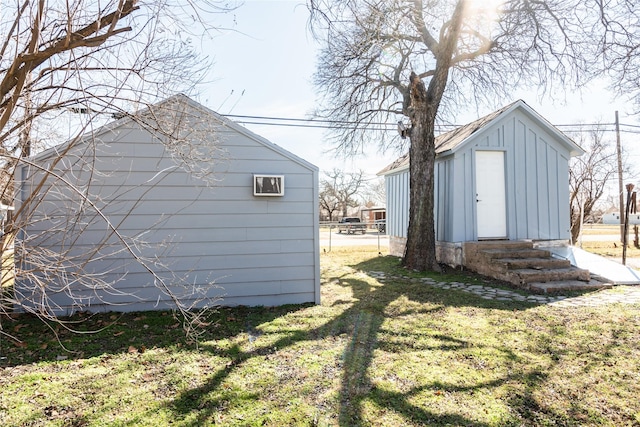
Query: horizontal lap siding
(258,249)
(183,254)
(144,304)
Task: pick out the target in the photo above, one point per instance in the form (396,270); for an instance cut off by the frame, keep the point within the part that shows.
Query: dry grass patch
(611,249)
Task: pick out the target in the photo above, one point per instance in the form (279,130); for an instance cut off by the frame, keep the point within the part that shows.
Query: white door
(491,206)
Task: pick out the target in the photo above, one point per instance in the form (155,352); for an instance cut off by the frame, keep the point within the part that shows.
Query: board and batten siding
(218,241)
(536,176)
(537,183)
(397,197)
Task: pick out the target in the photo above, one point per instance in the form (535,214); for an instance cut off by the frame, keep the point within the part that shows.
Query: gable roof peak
(184,102)
(449,141)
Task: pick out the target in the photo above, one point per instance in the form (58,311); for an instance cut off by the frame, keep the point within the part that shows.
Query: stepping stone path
(617,294)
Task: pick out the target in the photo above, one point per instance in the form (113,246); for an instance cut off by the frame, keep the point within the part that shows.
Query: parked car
(352,225)
(381,225)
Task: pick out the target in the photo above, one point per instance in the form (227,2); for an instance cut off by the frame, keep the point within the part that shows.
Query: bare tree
(589,177)
(618,38)
(98,60)
(329,202)
(339,189)
(374,193)
(384,60)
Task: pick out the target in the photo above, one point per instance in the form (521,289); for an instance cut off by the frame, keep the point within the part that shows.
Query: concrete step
(498,244)
(567,286)
(500,253)
(530,275)
(526,267)
(532,263)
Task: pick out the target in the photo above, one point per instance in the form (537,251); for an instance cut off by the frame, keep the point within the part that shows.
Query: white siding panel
(468,226)
(267,300)
(449,188)
(179,249)
(397,203)
(259,166)
(143,299)
(440,194)
(206,231)
(206,206)
(138,278)
(533,227)
(451,195)
(543,187)
(494,139)
(519,173)
(552,194)
(563,198)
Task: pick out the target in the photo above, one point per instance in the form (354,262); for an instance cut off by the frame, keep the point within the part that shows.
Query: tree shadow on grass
(372,304)
(89,335)
(362,325)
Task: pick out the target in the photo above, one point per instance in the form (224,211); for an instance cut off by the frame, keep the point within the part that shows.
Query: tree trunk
(575,229)
(420,251)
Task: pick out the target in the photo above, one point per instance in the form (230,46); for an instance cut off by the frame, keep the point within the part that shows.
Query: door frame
(486,175)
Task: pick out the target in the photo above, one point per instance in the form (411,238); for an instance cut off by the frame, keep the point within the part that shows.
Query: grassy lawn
(375,353)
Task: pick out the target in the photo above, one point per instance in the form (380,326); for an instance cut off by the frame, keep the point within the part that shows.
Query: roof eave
(388,171)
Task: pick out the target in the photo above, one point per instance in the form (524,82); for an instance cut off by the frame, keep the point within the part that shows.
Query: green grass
(398,353)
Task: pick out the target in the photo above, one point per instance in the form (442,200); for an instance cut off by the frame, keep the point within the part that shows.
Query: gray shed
(502,177)
(127,220)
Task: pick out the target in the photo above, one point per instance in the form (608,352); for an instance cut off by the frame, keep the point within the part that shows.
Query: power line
(298,122)
(293,125)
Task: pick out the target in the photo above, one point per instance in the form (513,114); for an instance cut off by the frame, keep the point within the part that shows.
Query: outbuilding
(502,177)
(173,205)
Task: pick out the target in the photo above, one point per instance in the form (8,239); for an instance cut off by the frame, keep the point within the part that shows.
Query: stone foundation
(446,252)
(453,253)
(550,243)
(396,245)
(450,253)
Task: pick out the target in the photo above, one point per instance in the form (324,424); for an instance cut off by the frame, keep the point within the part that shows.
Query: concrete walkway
(612,271)
(618,294)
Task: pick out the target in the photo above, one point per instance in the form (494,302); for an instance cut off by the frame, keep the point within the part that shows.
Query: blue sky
(270,56)
(267,60)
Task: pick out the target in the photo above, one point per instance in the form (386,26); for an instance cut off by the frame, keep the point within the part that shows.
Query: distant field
(598,229)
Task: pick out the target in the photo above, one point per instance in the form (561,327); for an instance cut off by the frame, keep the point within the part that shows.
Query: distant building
(614,218)
(373,214)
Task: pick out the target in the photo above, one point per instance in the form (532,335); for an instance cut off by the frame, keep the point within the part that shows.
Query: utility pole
(620,184)
(626,224)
